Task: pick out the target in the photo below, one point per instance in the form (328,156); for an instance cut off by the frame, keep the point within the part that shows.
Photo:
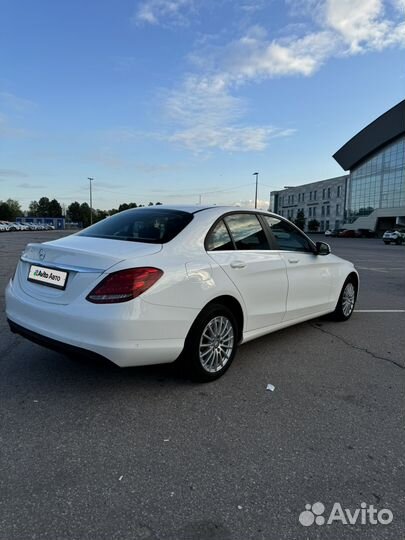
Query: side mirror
(322,248)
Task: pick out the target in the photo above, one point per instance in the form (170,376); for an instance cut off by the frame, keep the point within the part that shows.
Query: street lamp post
(257,182)
(91,199)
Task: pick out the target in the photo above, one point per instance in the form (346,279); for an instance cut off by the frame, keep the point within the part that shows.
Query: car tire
(211,344)
(386,243)
(347,300)
(398,241)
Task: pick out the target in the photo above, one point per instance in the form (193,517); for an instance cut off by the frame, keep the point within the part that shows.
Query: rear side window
(141,225)
(218,239)
(247,232)
(288,237)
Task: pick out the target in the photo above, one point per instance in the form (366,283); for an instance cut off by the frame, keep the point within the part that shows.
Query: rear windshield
(141,225)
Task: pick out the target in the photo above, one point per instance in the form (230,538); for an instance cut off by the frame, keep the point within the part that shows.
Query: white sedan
(159,284)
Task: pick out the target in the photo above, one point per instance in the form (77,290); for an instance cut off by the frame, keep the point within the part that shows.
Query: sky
(183,100)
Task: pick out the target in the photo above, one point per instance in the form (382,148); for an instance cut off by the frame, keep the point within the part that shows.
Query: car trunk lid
(83,258)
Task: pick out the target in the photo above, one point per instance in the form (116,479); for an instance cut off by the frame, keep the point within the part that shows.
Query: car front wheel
(211,344)
(347,300)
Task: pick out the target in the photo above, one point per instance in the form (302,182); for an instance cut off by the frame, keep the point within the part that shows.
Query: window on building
(338,209)
(303,197)
(328,210)
(310,195)
(328,192)
(322,225)
(314,212)
(326,224)
(323,211)
(379,182)
(339,191)
(315,192)
(323,193)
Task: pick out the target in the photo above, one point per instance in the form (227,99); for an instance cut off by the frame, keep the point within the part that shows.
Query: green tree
(74,212)
(158,203)
(15,209)
(43,207)
(33,209)
(54,209)
(5,212)
(85,214)
(313,225)
(300,219)
(99,215)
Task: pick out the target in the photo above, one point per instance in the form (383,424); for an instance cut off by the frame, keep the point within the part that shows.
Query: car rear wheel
(347,300)
(211,344)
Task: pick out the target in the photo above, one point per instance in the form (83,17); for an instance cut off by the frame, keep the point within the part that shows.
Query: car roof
(196,208)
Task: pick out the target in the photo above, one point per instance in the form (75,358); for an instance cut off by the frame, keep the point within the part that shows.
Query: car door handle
(293,261)
(238,264)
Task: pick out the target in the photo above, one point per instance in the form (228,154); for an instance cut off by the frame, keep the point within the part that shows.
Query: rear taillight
(124,285)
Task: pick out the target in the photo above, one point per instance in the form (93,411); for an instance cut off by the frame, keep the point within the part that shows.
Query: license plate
(48,276)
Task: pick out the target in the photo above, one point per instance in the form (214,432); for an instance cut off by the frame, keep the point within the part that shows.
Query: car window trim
(277,248)
(212,228)
(230,213)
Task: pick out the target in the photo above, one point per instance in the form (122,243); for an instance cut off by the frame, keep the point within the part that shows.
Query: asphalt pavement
(89,451)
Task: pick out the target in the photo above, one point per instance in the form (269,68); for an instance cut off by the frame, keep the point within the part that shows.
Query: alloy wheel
(348,299)
(216,344)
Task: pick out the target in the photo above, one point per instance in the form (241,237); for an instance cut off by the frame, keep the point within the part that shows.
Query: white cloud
(205,111)
(9,131)
(207,116)
(11,101)
(359,23)
(250,203)
(399,5)
(163,12)
(13,173)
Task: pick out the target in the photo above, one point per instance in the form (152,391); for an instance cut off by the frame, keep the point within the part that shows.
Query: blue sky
(168,99)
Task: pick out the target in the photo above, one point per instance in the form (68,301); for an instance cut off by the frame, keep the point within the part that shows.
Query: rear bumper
(135,333)
(51,343)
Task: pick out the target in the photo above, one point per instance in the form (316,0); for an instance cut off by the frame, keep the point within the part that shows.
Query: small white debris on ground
(270,387)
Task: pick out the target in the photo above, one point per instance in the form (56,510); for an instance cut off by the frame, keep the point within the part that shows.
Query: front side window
(145,225)
(288,237)
(247,232)
(218,238)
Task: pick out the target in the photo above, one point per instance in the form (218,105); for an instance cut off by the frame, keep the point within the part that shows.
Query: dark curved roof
(386,128)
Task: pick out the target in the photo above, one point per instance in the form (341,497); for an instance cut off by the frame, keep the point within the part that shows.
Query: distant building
(372,196)
(58,223)
(323,200)
(375,158)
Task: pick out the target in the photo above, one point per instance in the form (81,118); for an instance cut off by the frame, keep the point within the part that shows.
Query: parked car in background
(395,236)
(4,226)
(152,285)
(349,233)
(328,233)
(366,233)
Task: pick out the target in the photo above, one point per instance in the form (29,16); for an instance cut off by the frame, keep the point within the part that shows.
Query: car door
(239,244)
(309,275)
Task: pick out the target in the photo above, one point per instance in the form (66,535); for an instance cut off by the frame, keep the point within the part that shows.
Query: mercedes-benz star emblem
(42,254)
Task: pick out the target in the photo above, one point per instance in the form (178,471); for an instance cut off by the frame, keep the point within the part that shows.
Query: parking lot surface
(90,451)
